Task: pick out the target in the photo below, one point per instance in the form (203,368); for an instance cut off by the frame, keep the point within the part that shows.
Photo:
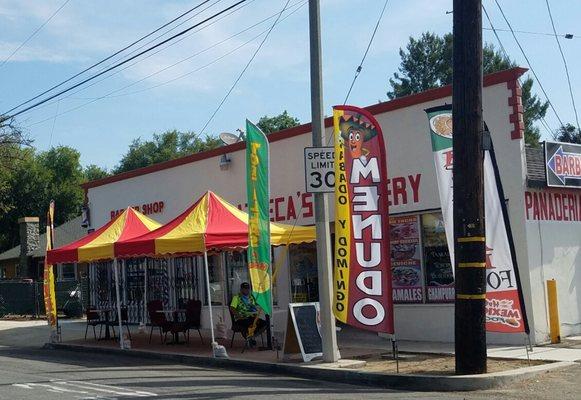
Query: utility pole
(328,333)
(469,228)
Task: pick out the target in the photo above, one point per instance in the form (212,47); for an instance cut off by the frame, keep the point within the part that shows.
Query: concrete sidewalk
(568,350)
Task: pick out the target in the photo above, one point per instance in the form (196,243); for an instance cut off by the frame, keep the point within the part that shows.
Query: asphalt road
(29,372)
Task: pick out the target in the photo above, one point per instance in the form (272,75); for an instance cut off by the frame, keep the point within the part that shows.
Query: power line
(528,62)
(243,70)
(300,4)
(565,64)
(33,34)
(129,59)
(110,94)
(503,49)
(118,71)
(360,67)
(112,55)
(563,35)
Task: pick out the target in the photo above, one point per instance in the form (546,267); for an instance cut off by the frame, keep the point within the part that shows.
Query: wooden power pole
(469,230)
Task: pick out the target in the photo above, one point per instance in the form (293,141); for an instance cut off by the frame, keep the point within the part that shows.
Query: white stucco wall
(555,253)
(409,159)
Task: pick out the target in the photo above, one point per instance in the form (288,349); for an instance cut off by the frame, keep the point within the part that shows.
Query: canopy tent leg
(209,297)
(116,272)
(144,323)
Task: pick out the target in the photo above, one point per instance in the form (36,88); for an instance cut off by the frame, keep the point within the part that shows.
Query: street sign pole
(468,173)
(328,333)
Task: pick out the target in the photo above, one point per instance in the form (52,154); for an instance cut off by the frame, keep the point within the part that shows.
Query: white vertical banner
(504,306)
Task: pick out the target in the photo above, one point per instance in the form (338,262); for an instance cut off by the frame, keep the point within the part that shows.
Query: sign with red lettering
(553,205)
(563,164)
(406,266)
(505,310)
(155,207)
(362,278)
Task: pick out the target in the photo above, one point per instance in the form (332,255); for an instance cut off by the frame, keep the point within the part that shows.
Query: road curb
(437,383)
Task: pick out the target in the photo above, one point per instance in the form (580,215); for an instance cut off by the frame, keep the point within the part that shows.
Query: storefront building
(422,275)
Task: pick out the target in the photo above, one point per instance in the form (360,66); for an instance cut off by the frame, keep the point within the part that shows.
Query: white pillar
(209,297)
(116,272)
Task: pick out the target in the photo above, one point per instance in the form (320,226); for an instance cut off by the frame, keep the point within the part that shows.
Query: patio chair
(193,320)
(94,319)
(158,319)
(124,321)
(236,327)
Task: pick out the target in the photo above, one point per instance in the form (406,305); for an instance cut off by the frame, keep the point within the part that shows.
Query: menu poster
(406,266)
(439,276)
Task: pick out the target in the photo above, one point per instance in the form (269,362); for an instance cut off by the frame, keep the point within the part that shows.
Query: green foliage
(277,123)
(534,110)
(426,63)
(163,147)
(32,181)
(93,172)
(569,134)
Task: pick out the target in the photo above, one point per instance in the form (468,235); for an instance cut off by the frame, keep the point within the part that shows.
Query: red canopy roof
(210,223)
(98,245)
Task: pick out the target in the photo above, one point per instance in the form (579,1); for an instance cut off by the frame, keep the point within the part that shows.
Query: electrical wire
(149,55)
(566,36)
(528,62)
(33,34)
(299,5)
(360,67)
(129,59)
(243,70)
(564,63)
(116,53)
(505,53)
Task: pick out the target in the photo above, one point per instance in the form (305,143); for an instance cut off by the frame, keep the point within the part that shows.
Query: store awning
(99,245)
(210,224)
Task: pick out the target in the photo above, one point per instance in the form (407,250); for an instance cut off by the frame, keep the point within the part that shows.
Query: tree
(11,140)
(533,110)
(278,123)
(164,147)
(93,172)
(426,63)
(568,133)
(34,180)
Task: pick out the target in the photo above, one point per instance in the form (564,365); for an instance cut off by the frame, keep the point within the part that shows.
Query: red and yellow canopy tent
(210,224)
(99,245)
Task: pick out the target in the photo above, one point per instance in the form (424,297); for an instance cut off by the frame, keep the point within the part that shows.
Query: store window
(438,268)
(237,270)
(303,273)
(406,265)
(67,272)
(217,280)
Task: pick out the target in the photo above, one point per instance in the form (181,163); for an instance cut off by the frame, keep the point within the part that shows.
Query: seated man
(246,312)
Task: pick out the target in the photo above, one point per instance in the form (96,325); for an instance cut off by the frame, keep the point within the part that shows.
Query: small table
(105,312)
(175,313)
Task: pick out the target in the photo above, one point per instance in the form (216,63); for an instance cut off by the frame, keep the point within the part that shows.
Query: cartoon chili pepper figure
(355,133)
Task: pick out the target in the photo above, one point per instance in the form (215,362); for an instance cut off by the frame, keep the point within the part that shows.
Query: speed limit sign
(320,169)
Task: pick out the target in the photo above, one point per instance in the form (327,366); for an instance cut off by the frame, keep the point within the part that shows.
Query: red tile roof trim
(510,76)
(516,118)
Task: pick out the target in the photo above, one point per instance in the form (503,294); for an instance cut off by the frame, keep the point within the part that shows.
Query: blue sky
(87,31)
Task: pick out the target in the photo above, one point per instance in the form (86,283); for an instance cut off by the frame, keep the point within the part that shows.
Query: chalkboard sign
(303,329)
